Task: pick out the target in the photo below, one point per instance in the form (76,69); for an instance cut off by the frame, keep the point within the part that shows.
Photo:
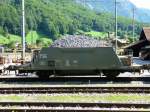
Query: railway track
(73,107)
(50,90)
(74,79)
(70,110)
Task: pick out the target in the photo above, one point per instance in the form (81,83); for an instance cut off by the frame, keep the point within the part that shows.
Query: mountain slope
(125,8)
(54,18)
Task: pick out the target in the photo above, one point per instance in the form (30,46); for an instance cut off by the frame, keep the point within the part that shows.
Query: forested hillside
(54,18)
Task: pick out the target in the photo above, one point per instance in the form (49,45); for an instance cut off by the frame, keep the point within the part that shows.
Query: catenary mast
(116,26)
(23,30)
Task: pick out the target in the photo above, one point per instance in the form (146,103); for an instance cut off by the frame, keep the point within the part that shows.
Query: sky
(141,3)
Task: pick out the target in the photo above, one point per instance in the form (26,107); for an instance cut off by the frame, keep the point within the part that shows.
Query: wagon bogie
(111,73)
(43,74)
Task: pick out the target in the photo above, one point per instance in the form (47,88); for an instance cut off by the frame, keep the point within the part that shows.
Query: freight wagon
(78,61)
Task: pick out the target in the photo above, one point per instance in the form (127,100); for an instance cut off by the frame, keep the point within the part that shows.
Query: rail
(51,90)
(74,107)
(87,80)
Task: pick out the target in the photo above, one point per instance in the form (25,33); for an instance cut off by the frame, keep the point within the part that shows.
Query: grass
(79,98)
(10,38)
(97,34)
(3,40)
(31,38)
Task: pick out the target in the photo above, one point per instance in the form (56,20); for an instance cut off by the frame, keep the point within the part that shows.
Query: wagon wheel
(111,73)
(43,74)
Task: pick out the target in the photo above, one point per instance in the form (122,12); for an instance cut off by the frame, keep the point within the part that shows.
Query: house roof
(121,41)
(146,33)
(138,44)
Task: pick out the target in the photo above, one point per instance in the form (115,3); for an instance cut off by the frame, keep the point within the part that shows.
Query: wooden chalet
(120,42)
(143,42)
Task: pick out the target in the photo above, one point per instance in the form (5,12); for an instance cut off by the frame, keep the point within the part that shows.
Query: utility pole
(133,26)
(116,26)
(23,31)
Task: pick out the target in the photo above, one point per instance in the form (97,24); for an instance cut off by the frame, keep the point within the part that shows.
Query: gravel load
(78,41)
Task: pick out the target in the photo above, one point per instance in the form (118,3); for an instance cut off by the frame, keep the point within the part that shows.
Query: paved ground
(140,62)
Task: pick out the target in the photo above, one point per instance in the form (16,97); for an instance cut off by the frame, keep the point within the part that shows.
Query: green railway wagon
(76,61)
